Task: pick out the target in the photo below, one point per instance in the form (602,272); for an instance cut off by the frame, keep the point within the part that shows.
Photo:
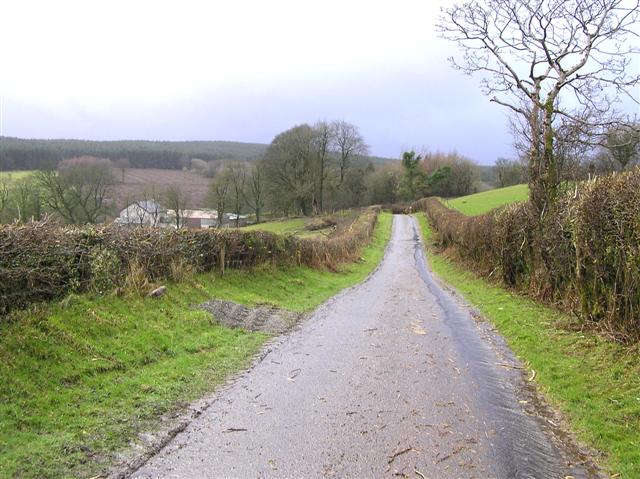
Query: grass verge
(79,381)
(479,203)
(15,175)
(596,383)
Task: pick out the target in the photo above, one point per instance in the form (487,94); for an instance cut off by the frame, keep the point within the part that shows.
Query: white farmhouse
(142,213)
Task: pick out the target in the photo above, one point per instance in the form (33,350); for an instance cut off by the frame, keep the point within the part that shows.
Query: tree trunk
(321,189)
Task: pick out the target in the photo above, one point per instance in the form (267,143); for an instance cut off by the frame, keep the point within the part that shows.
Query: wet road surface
(388,378)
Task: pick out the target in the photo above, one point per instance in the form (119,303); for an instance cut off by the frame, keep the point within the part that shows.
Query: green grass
(14,175)
(79,382)
(479,203)
(293,226)
(596,383)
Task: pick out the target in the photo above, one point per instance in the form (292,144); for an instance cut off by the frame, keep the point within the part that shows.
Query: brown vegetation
(138,182)
(43,261)
(587,260)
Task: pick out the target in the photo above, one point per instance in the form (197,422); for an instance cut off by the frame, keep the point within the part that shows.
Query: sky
(240,71)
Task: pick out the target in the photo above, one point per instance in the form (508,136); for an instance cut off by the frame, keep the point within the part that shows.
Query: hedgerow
(585,257)
(43,261)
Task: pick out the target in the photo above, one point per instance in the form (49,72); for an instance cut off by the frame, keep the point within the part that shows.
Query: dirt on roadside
(265,318)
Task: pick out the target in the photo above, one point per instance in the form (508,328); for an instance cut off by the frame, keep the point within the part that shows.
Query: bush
(43,261)
(585,257)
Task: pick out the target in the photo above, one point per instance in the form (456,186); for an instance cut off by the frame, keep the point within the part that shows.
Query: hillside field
(478,203)
(338,223)
(138,181)
(14,175)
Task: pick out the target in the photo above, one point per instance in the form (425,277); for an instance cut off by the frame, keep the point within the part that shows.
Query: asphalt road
(392,377)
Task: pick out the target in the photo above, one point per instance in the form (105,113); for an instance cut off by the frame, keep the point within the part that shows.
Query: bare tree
(325,139)
(122,164)
(349,145)
(509,172)
(255,190)
(623,144)
(144,208)
(238,176)
(290,167)
(176,201)
(534,53)
(78,189)
(26,197)
(219,193)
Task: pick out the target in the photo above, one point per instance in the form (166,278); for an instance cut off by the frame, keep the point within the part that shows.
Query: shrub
(43,261)
(585,257)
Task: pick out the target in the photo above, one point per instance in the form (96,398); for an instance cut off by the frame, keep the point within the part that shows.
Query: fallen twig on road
(399,453)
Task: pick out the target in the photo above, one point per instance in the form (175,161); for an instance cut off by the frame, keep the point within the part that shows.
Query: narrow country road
(390,378)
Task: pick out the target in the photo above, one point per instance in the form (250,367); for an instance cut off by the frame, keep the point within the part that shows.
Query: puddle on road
(521,447)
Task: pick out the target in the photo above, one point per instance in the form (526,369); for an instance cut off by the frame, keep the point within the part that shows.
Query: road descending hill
(479,203)
(392,377)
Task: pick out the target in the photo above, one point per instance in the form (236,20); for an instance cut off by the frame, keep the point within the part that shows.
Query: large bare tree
(77,190)
(349,145)
(325,139)
(290,167)
(546,60)
(255,189)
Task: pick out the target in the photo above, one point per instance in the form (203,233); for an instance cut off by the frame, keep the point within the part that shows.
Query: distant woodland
(25,154)
(306,170)
(28,154)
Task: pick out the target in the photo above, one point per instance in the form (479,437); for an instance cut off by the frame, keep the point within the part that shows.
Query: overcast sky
(240,70)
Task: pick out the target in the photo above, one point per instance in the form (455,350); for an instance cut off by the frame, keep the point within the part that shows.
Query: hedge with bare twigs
(586,258)
(43,261)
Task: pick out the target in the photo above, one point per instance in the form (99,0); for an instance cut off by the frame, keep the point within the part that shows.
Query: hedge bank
(44,261)
(586,258)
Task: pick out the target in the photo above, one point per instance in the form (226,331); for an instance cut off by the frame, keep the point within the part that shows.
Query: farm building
(151,213)
(193,218)
(143,213)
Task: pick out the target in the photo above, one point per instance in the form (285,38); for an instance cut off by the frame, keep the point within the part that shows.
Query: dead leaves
(416,328)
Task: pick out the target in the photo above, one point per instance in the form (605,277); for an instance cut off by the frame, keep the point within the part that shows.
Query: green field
(14,175)
(296,226)
(80,380)
(595,382)
(293,226)
(479,203)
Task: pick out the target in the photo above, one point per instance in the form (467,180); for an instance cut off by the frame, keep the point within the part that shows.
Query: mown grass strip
(596,383)
(78,382)
(479,203)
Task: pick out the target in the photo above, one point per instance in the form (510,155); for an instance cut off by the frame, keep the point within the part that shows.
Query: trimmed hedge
(585,257)
(44,261)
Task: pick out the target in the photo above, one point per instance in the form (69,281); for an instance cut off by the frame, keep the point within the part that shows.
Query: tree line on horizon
(306,170)
(37,154)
